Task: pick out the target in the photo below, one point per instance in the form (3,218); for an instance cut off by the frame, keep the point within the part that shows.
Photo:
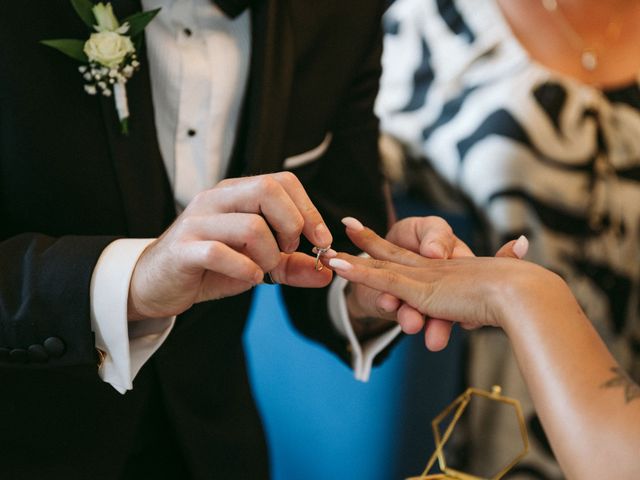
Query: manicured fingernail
(521,246)
(339,264)
(331,253)
(323,235)
(353,224)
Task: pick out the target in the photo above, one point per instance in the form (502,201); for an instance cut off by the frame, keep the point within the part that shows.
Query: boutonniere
(108,56)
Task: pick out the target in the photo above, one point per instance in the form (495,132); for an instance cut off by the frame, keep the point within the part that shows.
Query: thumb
(515,248)
(299,270)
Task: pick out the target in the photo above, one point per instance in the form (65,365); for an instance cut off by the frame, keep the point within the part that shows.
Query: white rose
(108,48)
(107,21)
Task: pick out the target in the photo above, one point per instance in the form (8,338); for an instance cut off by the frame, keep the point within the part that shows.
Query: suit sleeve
(44,300)
(347,181)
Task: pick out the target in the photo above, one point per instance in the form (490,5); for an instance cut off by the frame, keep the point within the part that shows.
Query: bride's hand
(469,290)
(411,240)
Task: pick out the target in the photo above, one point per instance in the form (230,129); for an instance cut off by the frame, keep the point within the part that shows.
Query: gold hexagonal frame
(459,405)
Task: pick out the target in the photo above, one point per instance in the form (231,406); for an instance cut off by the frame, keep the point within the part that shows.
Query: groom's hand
(224,242)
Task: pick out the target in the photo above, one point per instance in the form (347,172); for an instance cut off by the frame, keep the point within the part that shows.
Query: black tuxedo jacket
(70,183)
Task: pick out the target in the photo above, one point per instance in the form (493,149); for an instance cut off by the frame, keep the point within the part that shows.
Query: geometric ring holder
(459,405)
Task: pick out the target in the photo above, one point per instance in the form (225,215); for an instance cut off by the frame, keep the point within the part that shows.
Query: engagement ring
(320,251)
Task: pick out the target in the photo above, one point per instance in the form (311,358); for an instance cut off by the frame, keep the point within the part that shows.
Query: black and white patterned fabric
(534,152)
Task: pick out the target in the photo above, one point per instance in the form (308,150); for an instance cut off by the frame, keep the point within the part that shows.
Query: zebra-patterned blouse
(536,152)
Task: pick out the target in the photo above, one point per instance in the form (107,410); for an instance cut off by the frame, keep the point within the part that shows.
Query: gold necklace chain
(589,53)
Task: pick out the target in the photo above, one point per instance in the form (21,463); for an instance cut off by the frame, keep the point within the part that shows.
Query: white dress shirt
(199,64)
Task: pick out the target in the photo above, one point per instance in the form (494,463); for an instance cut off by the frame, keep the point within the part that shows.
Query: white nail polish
(521,246)
(339,264)
(353,224)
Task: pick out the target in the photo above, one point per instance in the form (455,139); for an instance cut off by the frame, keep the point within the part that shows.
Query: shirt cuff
(127,345)
(362,355)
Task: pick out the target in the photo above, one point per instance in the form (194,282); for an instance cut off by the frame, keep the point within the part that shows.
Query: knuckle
(213,251)
(255,228)
(200,198)
(268,185)
(390,277)
(288,178)
(297,223)
(188,223)
(395,250)
(380,265)
(223,183)
(308,210)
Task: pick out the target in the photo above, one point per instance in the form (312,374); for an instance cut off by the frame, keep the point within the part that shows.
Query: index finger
(281,199)
(383,276)
(377,247)
(315,229)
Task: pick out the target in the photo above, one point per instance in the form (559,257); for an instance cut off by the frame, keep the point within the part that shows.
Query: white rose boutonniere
(109,55)
(108,48)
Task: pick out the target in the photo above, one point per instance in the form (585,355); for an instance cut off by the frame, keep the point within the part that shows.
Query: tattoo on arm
(622,379)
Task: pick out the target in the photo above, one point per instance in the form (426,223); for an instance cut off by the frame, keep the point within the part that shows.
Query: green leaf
(138,21)
(70,47)
(84,8)
(137,43)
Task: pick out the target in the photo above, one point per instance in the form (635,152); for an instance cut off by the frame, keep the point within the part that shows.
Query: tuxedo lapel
(144,187)
(261,135)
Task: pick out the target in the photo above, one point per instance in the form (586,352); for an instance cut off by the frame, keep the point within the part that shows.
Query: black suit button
(37,353)
(18,355)
(54,346)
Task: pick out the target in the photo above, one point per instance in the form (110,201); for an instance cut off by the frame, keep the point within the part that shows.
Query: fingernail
(323,235)
(331,253)
(339,264)
(258,278)
(353,224)
(521,246)
(437,250)
(387,305)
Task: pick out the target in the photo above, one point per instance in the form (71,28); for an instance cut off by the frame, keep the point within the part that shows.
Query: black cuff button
(54,346)
(37,353)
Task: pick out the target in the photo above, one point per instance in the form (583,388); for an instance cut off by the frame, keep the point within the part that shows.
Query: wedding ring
(320,251)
